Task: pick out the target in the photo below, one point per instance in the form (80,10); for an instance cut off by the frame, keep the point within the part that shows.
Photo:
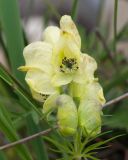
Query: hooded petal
(38,55)
(52,35)
(65,48)
(67,115)
(67,25)
(70,48)
(66,59)
(40,82)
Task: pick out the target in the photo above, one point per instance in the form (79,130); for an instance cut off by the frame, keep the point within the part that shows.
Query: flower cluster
(62,77)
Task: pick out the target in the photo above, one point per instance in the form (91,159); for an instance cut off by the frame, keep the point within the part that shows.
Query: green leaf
(88,139)
(8,129)
(10,20)
(38,144)
(5,77)
(4,90)
(27,101)
(74,9)
(96,145)
(99,135)
(4,47)
(63,148)
(55,150)
(2,156)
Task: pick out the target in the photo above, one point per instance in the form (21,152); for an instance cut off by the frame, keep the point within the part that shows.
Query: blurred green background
(103,27)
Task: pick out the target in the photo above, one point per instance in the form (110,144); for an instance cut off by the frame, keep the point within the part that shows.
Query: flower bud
(89,111)
(50,105)
(90,117)
(67,115)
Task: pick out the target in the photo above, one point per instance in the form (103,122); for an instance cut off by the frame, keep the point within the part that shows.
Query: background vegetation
(20,114)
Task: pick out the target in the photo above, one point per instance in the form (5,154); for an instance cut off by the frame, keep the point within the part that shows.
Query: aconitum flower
(57,60)
(62,77)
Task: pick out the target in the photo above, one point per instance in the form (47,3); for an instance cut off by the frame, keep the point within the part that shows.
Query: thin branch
(26,139)
(103,41)
(116,100)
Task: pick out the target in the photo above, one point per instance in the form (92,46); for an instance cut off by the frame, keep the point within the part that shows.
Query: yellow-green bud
(89,111)
(50,105)
(89,117)
(67,115)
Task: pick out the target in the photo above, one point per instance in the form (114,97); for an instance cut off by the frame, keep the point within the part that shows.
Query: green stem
(77,145)
(115,24)
(74,9)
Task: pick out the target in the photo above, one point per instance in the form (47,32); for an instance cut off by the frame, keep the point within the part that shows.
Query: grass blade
(74,9)
(98,144)
(115,24)
(8,129)
(38,144)
(19,90)
(10,20)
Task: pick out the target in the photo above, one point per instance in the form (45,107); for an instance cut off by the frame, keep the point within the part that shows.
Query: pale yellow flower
(68,61)
(57,66)
(57,61)
(66,50)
